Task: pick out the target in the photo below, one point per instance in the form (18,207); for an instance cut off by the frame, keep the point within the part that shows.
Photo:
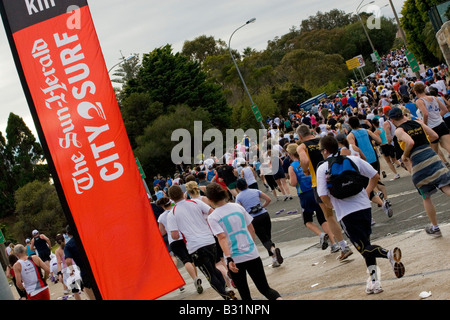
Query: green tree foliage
(414,22)
(21,161)
(173,80)
(155,144)
(38,207)
(288,98)
(203,47)
(138,111)
(311,69)
(329,20)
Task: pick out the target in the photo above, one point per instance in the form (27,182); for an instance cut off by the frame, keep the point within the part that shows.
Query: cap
(386,109)
(395,113)
(27,240)
(341,137)
(35,232)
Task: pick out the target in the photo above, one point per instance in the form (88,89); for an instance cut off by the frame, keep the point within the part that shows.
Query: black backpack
(343,177)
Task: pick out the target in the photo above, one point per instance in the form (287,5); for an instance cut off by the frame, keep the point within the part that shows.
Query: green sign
(2,238)
(412,61)
(377,55)
(141,171)
(257,113)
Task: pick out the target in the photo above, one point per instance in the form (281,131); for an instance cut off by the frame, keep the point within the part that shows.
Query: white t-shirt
(348,205)
(232,219)
(163,220)
(188,217)
(249,176)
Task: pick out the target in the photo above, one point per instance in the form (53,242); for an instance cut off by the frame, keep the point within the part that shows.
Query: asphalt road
(409,213)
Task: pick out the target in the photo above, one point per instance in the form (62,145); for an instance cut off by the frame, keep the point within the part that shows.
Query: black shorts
(357,226)
(441,130)
(270,179)
(44,255)
(388,150)
(310,206)
(179,249)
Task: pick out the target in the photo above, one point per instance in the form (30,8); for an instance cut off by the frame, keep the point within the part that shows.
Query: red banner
(70,93)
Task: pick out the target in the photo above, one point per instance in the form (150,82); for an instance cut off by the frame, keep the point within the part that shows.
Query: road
(409,213)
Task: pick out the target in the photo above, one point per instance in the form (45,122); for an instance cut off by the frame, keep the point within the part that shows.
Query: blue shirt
(249,198)
(413,109)
(363,141)
(304,183)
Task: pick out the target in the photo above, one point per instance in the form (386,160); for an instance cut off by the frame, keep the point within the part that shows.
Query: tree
(289,98)
(329,20)
(311,69)
(413,21)
(21,161)
(174,80)
(154,146)
(202,47)
(127,70)
(38,207)
(138,111)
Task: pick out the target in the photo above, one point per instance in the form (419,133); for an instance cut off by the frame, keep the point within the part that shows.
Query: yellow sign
(353,63)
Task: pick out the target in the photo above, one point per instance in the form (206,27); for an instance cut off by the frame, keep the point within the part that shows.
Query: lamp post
(402,33)
(239,72)
(124,60)
(364,28)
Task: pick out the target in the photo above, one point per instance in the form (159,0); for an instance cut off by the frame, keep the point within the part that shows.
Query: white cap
(35,232)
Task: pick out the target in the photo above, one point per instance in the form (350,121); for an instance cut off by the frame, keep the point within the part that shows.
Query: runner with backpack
(341,185)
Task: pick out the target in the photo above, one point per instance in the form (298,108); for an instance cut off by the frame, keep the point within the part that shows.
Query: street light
(124,60)
(362,24)
(237,68)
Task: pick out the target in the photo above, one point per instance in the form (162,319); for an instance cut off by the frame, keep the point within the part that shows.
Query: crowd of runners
(210,214)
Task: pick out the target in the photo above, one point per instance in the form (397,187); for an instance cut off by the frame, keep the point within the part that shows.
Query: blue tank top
(363,141)
(304,183)
(383,136)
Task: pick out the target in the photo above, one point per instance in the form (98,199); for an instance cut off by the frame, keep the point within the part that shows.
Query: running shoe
(394,257)
(434,232)
(324,240)
(387,208)
(384,174)
(397,176)
(373,287)
(334,248)
(198,285)
(278,256)
(230,294)
(347,252)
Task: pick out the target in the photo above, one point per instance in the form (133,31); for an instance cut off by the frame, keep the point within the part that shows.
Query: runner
(429,173)
(308,203)
(227,221)
(355,215)
(251,199)
(310,156)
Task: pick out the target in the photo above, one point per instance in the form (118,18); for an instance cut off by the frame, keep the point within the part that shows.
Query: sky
(140,26)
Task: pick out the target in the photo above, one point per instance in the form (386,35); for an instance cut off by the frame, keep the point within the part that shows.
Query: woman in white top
(177,247)
(249,174)
(232,225)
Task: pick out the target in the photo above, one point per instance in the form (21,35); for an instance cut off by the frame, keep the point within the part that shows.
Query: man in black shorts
(42,244)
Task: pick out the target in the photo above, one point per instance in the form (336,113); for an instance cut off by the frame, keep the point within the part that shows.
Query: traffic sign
(256,112)
(412,61)
(2,237)
(352,63)
(377,56)
(141,171)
